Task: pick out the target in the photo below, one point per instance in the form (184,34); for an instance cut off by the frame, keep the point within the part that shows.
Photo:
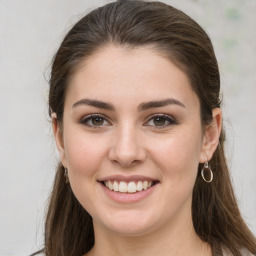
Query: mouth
(128,187)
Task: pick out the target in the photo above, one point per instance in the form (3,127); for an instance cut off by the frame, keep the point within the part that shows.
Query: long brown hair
(216,217)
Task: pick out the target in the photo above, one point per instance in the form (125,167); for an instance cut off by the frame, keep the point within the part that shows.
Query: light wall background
(30,32)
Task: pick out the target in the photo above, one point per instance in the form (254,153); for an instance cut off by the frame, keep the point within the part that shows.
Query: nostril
(126,153)
(126,164)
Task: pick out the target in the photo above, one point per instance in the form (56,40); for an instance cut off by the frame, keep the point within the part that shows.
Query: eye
(95,121)
(160,121)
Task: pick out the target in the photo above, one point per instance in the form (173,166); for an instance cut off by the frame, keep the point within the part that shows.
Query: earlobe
(211,136)
(58,138)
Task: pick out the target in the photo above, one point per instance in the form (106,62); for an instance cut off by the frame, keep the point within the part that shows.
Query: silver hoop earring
(66,175)
(207,173)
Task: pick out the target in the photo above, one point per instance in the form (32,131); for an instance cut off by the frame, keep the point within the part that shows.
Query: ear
(211,136)
(57,132)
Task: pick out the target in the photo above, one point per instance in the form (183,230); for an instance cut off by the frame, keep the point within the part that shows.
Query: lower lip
(128,197)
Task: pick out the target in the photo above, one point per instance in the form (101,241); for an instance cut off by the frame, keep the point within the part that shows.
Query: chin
(130,224)
(131,231)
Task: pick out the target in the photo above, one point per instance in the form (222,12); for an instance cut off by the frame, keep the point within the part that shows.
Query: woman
(135,106)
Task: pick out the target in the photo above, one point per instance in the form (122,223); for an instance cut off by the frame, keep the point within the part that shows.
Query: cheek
(178,155)
(83,153)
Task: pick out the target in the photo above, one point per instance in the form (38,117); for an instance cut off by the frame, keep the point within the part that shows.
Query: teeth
(106,183)
(145,185)
(139,186)
(123,187)
(115,186)
(130,187)
(110,185)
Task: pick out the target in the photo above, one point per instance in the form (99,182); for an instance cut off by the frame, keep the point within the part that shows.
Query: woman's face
(131,122)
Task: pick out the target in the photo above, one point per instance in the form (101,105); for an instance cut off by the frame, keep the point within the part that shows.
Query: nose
(127,148)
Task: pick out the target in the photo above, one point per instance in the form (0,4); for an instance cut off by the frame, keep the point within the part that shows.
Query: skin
(131,142)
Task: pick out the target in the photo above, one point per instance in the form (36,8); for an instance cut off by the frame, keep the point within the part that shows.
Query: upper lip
(127,178)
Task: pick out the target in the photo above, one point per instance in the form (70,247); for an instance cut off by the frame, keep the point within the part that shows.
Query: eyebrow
(159,103)
(94,103)
(142,107)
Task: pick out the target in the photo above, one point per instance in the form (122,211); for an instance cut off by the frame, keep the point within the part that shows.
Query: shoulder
(227,252)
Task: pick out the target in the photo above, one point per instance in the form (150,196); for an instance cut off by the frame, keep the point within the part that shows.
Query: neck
(173,239)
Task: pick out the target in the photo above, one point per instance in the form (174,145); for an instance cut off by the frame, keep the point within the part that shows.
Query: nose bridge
(127,148)
(127,139)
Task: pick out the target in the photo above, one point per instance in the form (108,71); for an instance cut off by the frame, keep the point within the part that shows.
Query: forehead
(130,74)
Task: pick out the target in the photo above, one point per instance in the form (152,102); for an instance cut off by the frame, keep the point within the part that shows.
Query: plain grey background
(30,32)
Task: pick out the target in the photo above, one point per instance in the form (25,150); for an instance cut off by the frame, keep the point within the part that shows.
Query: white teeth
(115,186)
(123,187)
(139,186)
(110,185)
(145,185)
(130,187)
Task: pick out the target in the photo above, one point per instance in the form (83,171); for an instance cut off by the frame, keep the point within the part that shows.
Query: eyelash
(88,118)
(167,118)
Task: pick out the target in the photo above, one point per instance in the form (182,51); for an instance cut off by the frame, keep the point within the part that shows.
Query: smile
(128,187)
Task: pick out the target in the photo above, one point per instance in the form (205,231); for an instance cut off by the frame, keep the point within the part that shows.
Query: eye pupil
(97,121)
(159,121)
